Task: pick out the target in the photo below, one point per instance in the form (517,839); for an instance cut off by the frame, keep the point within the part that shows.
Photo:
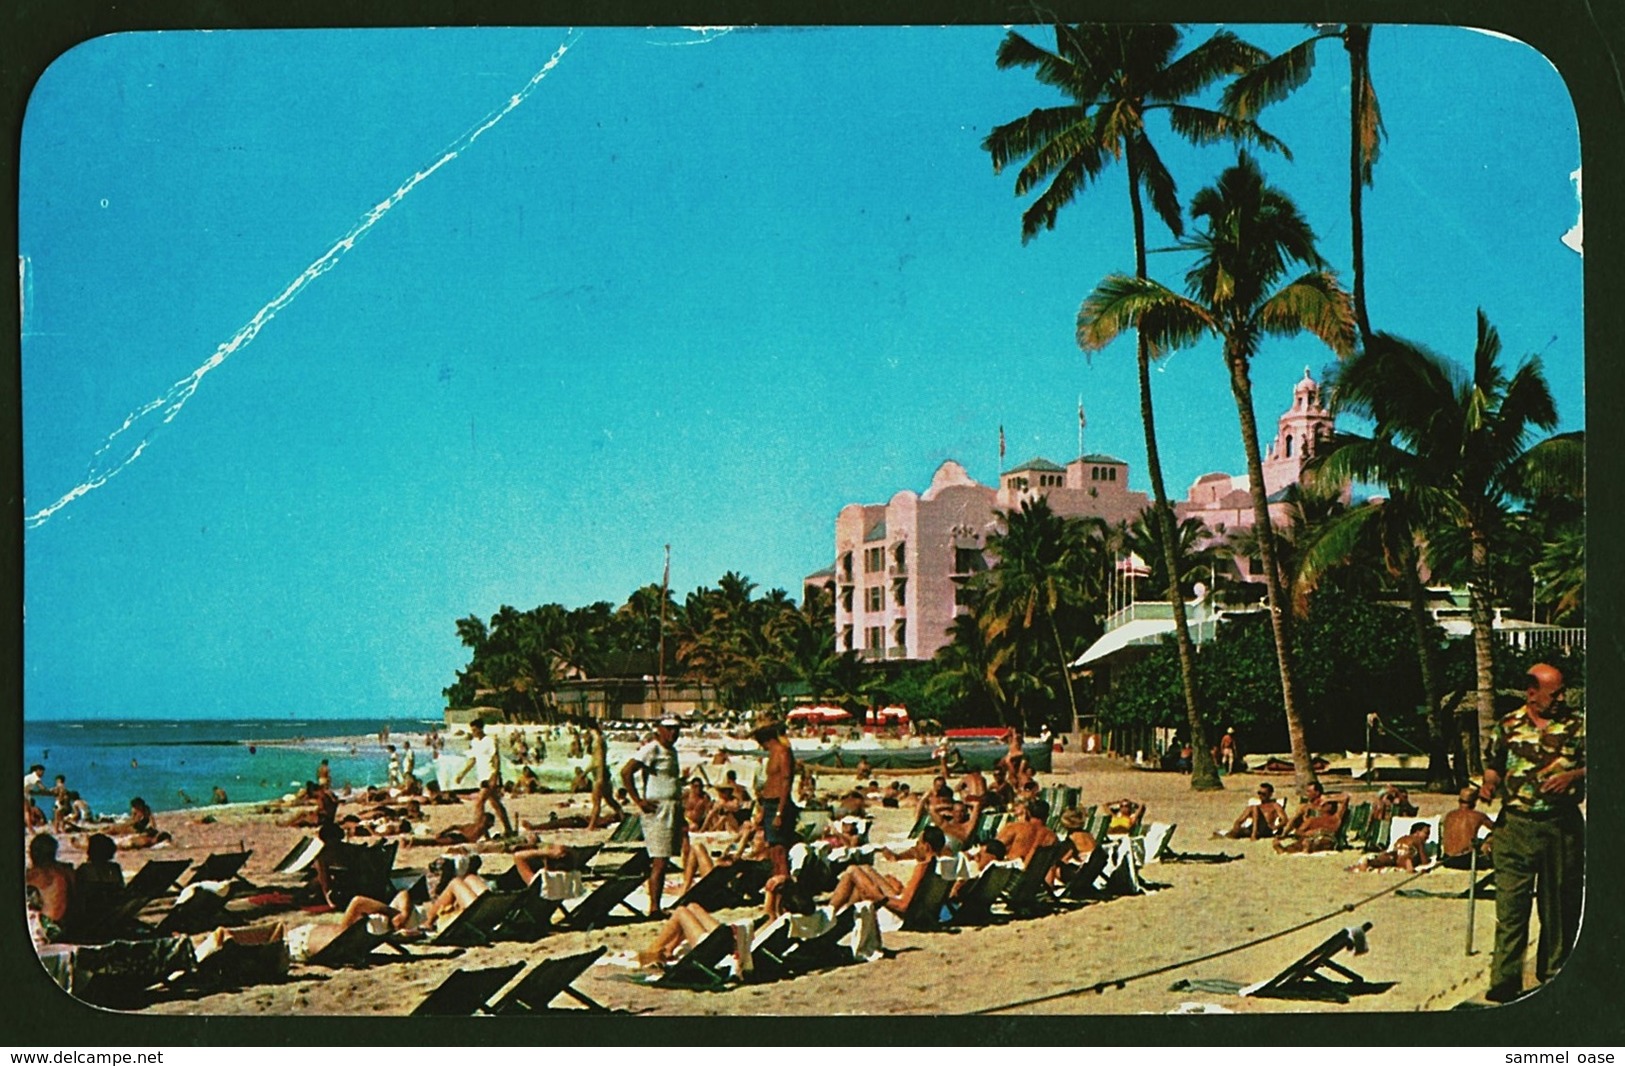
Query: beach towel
(864,940)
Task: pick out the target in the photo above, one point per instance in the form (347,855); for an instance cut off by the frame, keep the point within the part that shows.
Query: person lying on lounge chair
(1408,852)
(860,883)
(1259,820)
(696,805)
(1079,843)
(956,824)
(1126,816)
(987,853)
(471,833)
(684,929)
(533,861)
(399,915)
(748,844)
(1393,801)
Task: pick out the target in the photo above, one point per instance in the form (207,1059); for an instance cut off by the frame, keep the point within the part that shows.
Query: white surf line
(170,403)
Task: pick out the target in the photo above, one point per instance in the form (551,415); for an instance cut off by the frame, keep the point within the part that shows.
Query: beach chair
(920,822)
(924,912)
(1122,877)
(1354,829)
(717,890)
(1304,979)
(825,949)
(480,922)
(118,974)
(299,857)
(197,909)
(361,870)
(700,968)
(243,957)
(1081,883)
(221,867)
(1031,893)
(353,946)
(629,831)
(1153,844)
(769,948)
(150,882)
(987,827)
(610,894)
(466,992)
(810,825)
(546,981)
(974,903)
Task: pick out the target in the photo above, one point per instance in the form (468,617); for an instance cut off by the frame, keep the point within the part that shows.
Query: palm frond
(1272,81)
(1313,303)
(1552,467)
(1196,70)
(1120,303)
(1201,125)
(1031,133)
(1159,184)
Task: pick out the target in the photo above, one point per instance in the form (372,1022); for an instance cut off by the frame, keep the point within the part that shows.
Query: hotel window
(846,566)
(874,638)
(899,559)
(899,591)
(874,560)
(846,638)
(968,561)
(900,635)
(874,599)
(846,599)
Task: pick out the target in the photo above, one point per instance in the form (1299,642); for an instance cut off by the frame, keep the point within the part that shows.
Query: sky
(405,325)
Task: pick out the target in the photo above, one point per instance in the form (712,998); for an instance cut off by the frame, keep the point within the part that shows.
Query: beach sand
(1197,910)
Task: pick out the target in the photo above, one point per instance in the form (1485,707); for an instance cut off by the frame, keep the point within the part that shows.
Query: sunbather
(1259,820)
(1027,832)
(53,880)
(1126,816)
(1407,853)
(470,833)
(1393,801)
(684,929)
(533,861)
(1079,843)
(140,829)
(860,883)
(955,822)
(1315,824)
(696,805)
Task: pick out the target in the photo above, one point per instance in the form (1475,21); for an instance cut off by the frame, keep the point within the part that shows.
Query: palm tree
(1274,80)
(1469,436)
(1254,234)
(1042,559)
(1113,77)
(980,669)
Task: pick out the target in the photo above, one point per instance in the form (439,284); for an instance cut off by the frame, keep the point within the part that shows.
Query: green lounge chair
(974,904)
(924,911)
(1031,892)
(546,981)
(610,894)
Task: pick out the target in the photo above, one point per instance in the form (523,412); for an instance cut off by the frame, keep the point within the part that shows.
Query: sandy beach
(1191,927)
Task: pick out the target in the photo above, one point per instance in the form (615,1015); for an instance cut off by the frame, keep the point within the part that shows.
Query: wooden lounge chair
(196,910)
(549,979)
(1304,979)
(353,946)
(480,922)
(824,950)
(1082,880)
(299,857)
(361,870)
(466,992)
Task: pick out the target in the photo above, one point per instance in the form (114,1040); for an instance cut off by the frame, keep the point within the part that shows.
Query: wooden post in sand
(1472,894)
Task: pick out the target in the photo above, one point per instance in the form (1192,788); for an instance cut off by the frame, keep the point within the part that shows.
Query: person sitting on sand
(529,784)
(579,781)
(1459,833)
(325,811)
(1259,820)
(1027,832)
(433,795)
(53,880)
(469,833)
(1393,802)
(1315,825)
(860,883)
(140,829)
(1407,853)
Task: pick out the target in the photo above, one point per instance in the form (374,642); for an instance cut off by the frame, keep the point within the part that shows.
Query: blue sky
(696,288)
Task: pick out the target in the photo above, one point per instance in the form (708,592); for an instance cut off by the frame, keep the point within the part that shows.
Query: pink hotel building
(900,566)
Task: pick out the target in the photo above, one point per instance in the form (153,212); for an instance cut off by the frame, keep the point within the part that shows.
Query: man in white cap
(663,825)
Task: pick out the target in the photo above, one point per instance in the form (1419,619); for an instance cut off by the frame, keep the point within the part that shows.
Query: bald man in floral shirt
(1536,760)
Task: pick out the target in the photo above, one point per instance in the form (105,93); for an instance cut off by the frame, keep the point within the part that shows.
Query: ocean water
(168,763)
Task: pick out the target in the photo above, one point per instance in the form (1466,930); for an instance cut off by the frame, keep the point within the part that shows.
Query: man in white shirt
(482,753)
(663,825)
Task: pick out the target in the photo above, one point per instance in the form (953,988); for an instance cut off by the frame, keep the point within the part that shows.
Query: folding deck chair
(825,949)
(1031,892)
(480,922)
(196,910)
(149,883)
(701,966)
(987,827)
(546,981)
(924,912)
(299,857)
(221,867)
(466,992)
(715,891)
(593,910)
(1082,881)
(974,904)
(352,947)
(1304,979)
(629,831)
(361,870)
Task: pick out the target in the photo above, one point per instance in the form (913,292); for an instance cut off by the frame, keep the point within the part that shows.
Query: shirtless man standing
(778,809)
(1459,833)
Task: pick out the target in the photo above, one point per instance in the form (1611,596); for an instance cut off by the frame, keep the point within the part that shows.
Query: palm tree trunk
(1357,39)
(1483,630)
(1204,772)
(1066,676)
(1241,387)
(1440,778)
